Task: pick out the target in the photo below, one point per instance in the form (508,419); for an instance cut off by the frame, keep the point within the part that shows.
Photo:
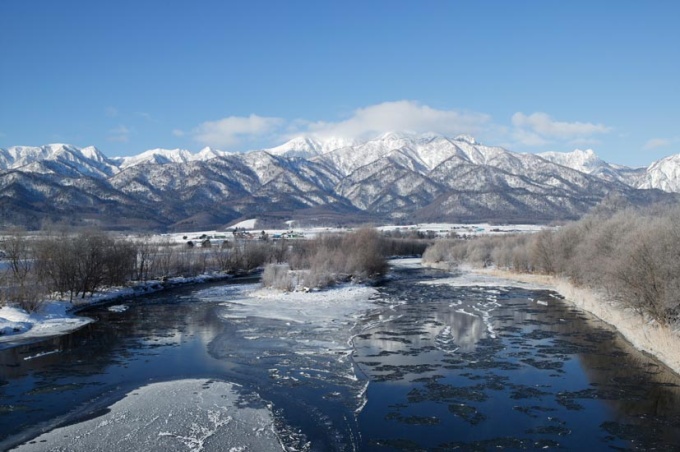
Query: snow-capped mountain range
(394,177)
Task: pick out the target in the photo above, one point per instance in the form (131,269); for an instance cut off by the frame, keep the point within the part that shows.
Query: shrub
(330,258)
(632,254)
(278,276)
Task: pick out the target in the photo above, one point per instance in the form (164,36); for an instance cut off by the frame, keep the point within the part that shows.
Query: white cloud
(528,138)
(146,116)
(178,132)
(534,130)
(120,134)
(234,129)
(404,115)
(539,128)
(583,142)
(655,143)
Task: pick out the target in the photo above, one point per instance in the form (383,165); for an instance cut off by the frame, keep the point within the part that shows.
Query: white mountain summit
(588,162)
(161,156)
(308,147)
(663,174)
(58,158)
(584,161)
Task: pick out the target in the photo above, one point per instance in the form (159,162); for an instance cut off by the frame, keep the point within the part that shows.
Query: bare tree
(543,252)
(22,285)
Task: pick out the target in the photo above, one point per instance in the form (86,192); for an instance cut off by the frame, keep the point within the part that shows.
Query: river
(413,364)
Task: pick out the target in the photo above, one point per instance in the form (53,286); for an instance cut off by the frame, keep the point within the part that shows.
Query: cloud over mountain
(232,130)
(540,128)
(519,130)
(403,115)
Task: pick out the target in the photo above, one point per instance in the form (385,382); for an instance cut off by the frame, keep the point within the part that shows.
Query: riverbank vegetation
(64,263)
(632,256)
(327,259)
(69,264)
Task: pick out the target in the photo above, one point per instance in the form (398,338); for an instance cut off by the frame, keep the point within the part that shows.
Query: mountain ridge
(395,177)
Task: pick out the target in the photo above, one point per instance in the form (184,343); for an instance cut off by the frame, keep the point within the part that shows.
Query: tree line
(632,254)
(71,264)
(76,263)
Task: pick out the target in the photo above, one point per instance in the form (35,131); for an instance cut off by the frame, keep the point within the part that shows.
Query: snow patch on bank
(53,320)
(57,316)
(191,415)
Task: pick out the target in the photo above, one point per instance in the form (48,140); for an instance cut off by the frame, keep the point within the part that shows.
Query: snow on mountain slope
(54,158)
(396,176)
(163,156)
(349,158)
(588,162)
(391,186)
(303,147)
(208,153)
(584,161)
(663,174)
(307,147)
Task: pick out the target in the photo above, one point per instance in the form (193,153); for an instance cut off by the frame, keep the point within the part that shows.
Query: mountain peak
(584,161)
(469,139)
(305,146)
(663,174)
(208,153)
(300,146)
(393,136)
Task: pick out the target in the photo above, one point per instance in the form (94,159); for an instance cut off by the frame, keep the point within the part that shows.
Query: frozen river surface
(418,363)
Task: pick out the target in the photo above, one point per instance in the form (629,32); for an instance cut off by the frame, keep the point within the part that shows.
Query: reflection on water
(157,339)
(429,367)
(481,368)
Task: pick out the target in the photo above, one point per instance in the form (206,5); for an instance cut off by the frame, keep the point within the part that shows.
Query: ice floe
(184,415)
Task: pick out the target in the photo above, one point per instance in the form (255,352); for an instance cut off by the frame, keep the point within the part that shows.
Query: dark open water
(432,367)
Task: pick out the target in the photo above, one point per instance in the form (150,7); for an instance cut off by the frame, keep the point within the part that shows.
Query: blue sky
(532,76)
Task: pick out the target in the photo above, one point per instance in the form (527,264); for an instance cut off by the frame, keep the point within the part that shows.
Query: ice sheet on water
(330,310)
(469,278)
(296,345)
(184,415)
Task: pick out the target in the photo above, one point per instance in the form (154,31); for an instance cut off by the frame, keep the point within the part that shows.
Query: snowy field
(183,415)
(439,229)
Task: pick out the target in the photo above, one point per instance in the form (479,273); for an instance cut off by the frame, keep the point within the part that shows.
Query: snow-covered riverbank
(645,335)
(58,317)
